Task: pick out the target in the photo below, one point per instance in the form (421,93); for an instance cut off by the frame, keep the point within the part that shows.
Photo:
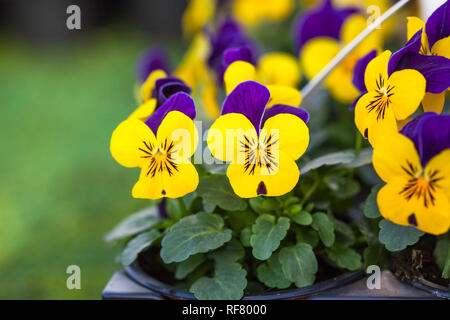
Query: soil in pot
(417,261)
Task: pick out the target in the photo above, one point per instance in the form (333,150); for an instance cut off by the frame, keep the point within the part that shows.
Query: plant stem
(310,192)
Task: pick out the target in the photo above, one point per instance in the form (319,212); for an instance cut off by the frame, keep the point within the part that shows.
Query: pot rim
(428,286)
(135,273)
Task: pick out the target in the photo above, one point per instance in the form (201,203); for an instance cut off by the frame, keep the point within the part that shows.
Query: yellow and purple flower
(415,166)
(260,144)
(154,58)
(320,34)
(253,12)
(389,97)
(161,146)
(428,51)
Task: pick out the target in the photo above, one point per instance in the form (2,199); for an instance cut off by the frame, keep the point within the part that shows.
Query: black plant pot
(169,292)
(430,287)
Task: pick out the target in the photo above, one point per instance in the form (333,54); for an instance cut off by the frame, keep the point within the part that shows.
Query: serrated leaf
(228,283)
(335,158)
(303,218)
(267,235)
(197,233)
(370,209)
(137,222)
(396,237)
(137,245)
(231,251)
(323,224)
(271,274)
(345,257)
(185,267)
(299,264)
(216,190)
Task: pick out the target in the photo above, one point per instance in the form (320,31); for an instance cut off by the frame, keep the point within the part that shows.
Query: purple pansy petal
(250,99)
(435,69)
(166,87)
(353,105)
(360,70)
(229,35)
(243,53)
(324,21)
(413,45)
(280,108)
(178,102)
(153,59)
(430,133)
(438,24)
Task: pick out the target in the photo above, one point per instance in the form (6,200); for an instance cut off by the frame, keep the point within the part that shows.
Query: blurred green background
(60,189)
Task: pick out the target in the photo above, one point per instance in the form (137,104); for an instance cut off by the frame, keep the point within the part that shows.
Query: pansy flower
(430,39)
(277,70)
(154,58)
(389,97)
(253,12)
(415,166)
(155,91)
(260,144)
(196,15)
(321,34)
(161,147)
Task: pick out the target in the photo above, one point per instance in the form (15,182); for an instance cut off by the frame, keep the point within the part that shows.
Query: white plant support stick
(318,79)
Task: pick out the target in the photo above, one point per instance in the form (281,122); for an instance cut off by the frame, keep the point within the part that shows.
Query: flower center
(421,184)
(160,157)
(382,98)
(259,154)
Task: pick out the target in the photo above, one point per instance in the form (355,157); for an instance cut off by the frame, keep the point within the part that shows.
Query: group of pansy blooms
(411,148)
(261,130)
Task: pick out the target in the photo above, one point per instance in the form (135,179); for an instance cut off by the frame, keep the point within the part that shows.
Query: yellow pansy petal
(279,68)
(209,96)
(438,168)
(284,95)
(396,206)
(236,73)
(394,156)
(144,110)
(413,25)
(180,182)
(196,15)
(442,48)
(276,10)
(408,88)
(376,70)
(260,182)
(179,129)
(149,84)
(433,102)
(128,143)
(340,83)
(316,54)
(226,134)
(290,132)
(353,26)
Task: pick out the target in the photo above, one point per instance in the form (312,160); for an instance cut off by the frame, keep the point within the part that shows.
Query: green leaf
(323,224)
(263,205)
(208,207)
(364,157)
(343,231)
(267,235)
(238,220)
(228,283)
(216,190)
(246,234)
(308,236)
(370,209)
(271,274)
(303,218)
(396,237)
(185,267)
(299,264)
(197,233)
(376,254)
(174,210)
(134,224)
(137,245)
(231,251)
(345,257)
(446,270)
(441,250)
(344,157)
